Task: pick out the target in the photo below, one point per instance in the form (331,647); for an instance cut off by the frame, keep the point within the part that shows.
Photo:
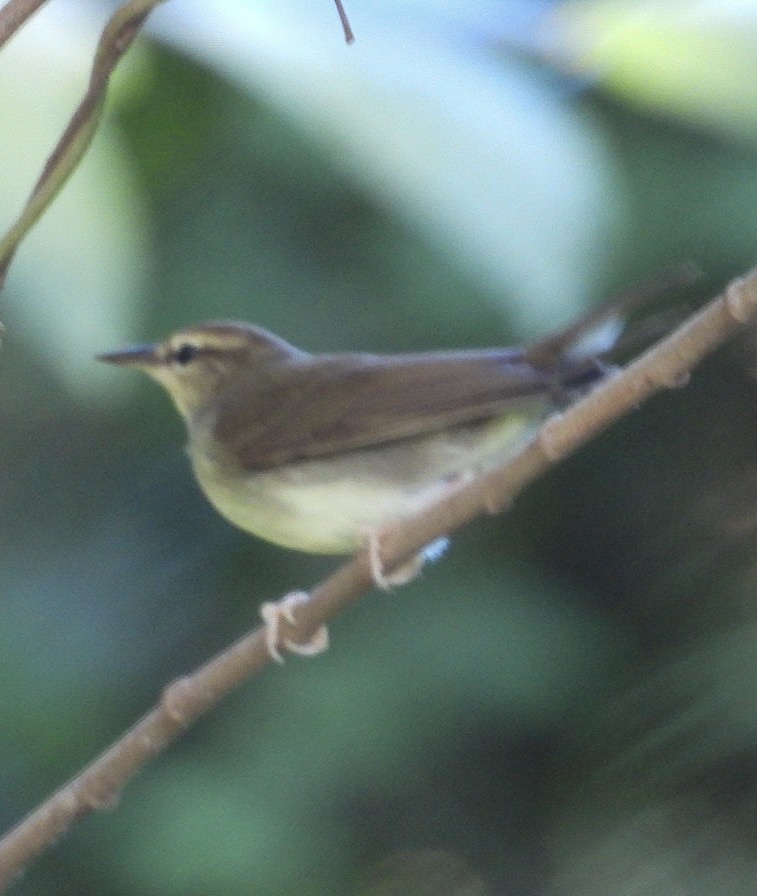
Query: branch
(117,37)
(346,27)
(13,15)
(666,365)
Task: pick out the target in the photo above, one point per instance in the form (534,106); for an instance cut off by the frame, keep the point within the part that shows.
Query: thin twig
(14,14)
(115,40)
(348,33)
(117,37)
(666,365)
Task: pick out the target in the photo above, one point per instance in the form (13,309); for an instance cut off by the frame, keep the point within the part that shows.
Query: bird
(322,452)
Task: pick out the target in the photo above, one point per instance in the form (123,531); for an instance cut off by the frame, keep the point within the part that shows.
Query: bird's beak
(134,356)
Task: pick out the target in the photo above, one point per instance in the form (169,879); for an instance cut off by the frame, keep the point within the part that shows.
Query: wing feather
(316,406)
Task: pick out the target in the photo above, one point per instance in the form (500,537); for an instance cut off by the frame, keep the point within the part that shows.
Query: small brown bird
(313,452)
(321,452)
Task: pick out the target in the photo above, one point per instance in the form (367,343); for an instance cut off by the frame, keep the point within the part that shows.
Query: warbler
(318,451)
(321,452)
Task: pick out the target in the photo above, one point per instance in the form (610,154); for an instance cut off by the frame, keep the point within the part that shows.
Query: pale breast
(329,505)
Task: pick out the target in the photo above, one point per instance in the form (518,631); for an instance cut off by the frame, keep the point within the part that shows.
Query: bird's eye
(185,353)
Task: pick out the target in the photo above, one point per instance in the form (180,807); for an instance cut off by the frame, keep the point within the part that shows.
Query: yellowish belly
(329,505)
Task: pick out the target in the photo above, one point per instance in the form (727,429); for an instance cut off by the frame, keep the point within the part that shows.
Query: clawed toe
(273,612)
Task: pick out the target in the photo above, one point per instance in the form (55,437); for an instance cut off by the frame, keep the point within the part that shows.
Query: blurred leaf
(471,149)
(692,61)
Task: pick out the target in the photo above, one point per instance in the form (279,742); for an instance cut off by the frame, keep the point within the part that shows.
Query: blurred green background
(566,703)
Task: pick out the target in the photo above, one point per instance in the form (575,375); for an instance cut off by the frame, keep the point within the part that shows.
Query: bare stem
(348,33)
(14,14)
(115,40)
(666,365)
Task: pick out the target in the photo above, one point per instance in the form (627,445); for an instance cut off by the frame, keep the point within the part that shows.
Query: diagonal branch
(349,35)
(666,365)
(117,37)
(14,14)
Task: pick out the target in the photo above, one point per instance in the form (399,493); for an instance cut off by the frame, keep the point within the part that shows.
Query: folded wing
(322,405)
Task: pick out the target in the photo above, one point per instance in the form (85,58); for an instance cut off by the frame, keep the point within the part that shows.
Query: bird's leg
(273,612)
(407,571)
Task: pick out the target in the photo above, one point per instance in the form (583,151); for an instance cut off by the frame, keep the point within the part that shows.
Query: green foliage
(693,62)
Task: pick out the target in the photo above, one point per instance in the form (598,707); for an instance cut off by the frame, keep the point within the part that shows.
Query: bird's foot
(407,571)
(272,614)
